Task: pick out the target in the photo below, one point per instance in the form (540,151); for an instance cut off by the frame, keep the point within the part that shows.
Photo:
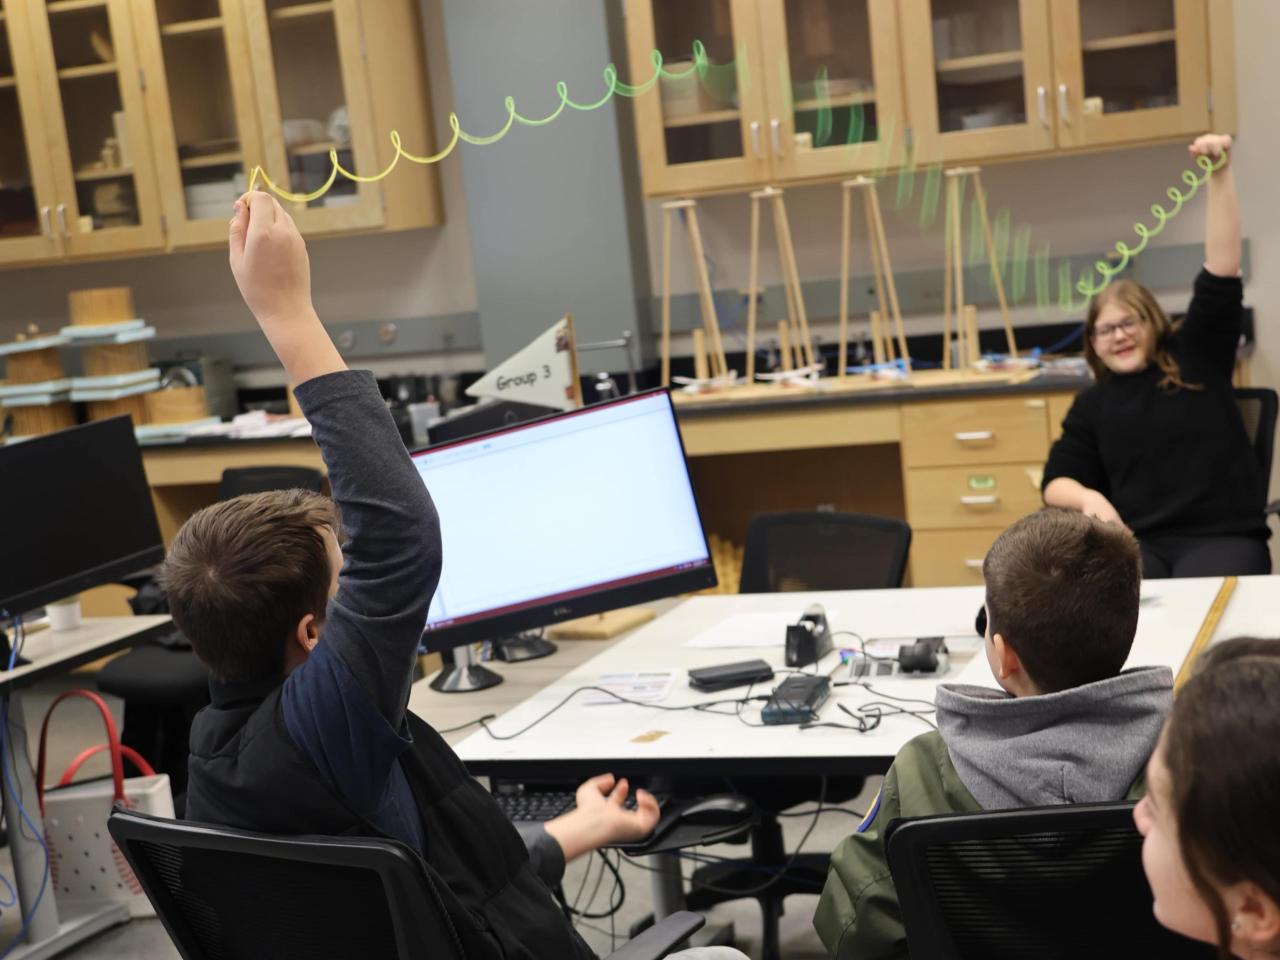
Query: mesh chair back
(788,552)
(237,481)
(1258,406)
(234,895)
(1055,882)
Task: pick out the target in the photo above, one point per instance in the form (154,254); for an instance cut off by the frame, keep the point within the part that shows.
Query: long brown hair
(1224,768)
(1141,301)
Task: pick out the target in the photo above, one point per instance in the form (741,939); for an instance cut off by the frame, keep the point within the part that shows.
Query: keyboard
(539,806)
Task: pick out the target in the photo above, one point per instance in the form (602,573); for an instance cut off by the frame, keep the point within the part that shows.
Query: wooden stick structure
(719,366)
(797,316)
(882,338)
(954,305)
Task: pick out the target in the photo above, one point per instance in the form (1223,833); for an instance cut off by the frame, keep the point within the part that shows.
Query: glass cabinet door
(203,118)
(313,98)
(833,85)
(1132,70)
(99,143)
(27,195)
(978,75)
(704,128)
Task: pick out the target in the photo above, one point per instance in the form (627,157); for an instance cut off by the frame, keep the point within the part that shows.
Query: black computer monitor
(484,417)
(77,513)
(571,515)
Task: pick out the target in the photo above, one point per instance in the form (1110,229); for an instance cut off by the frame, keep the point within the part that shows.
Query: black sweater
(1172,462)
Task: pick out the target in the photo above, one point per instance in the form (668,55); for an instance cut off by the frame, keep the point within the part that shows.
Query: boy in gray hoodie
(1069,726)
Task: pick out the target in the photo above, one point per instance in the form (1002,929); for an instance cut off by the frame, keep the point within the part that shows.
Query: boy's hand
(601,818)
(1213,146)
(270,264)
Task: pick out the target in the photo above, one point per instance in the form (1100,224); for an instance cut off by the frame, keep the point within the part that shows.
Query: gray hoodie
(1083,745)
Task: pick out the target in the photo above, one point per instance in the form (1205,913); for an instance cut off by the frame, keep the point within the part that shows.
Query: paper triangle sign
(545,372)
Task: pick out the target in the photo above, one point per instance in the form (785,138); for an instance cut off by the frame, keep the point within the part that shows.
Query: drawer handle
(980,501)
(975,436)
(973,564)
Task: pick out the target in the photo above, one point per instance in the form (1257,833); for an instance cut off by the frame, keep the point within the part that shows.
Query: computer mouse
(722,810)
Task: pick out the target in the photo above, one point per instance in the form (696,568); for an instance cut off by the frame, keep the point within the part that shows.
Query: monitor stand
(522,646)
(461,674)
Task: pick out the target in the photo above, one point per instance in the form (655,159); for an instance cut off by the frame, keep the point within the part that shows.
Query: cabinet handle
(1042,97)
(62,218)
(1063,110)
(46,227)
(973,564)
(755,139)
(975,436)
(775,130)
(984,500)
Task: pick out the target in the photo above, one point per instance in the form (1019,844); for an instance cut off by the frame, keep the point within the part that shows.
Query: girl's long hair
(1142,303)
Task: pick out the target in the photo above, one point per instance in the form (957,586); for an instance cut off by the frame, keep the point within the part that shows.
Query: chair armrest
(660,939)
(1272,507)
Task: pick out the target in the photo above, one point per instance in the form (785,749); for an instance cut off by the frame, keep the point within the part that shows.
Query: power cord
(6,755)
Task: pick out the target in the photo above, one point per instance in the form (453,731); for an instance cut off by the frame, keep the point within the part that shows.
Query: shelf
(7,82)
(1131,41)
(836,102)
(70,6)
(222,159)
(302,11)
(698,119)
(311,149)
(89,70)
(192,27)
(104,173)
(981,61)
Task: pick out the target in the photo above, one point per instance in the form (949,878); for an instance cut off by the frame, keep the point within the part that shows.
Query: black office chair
(162,684)
(789,552)
(1051,882)
(1259,407)
(235,894)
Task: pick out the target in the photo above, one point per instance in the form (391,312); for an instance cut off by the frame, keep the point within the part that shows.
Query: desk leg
(666,884)
(46,934)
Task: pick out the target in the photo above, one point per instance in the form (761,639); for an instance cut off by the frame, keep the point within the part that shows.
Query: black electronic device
(926,655)
(728,675)
(485,417)
(574,514)
(721,810)
(797,700)
(809,639)
(78,514)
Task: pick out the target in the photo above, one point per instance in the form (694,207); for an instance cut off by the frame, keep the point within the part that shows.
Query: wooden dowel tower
(714,350)
(797,316)
(882,337)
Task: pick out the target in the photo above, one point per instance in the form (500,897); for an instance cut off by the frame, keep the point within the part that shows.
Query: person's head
(1062,601)
(1211,837)
(248,581)
(1126,330)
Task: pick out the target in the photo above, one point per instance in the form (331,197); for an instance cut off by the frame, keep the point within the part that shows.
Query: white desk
(1253,611)
(579,740)
(53,653)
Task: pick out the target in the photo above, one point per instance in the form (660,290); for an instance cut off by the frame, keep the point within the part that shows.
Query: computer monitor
(484,417)
(77,513)
(574,514)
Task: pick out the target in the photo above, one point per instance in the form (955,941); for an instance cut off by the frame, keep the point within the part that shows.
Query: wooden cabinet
(803,90)
(132,125)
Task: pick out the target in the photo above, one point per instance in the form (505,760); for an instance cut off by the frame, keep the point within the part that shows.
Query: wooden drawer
(952,498)
(980,431)
(950,558)
(1059,404)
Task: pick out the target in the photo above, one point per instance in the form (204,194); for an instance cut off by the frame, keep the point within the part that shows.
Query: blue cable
(6,752)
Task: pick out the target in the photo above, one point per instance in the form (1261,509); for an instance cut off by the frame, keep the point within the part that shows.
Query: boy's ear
(1007,662)
(307,633)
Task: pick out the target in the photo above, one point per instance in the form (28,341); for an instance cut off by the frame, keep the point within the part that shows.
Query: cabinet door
(99,143)
(1130,71)
(706,131)
(833,85)
(313,98)
(204,124)
(27,194)
(977,77)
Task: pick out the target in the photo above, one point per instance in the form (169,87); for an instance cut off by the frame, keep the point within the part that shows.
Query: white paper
(645,686)
(752,630)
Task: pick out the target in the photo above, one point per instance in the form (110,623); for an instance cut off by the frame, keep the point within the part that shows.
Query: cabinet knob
(755,139)
(62,218)
(1064,110)
(46,226)
(975,436)
(1042,97)
(775,130)
(984,500)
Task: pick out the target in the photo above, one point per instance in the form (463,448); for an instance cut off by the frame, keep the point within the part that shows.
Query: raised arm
(1222,216)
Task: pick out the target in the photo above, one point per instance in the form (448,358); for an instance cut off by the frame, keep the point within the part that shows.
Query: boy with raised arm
(308,613)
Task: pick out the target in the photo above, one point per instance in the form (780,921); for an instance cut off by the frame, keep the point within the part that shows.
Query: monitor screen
(574,514)
(77,513)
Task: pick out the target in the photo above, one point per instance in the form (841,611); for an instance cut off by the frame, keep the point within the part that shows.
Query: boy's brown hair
(243,572)
(1062,590)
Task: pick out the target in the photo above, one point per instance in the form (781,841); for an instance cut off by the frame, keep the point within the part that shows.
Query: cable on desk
(6,755)
(469,723)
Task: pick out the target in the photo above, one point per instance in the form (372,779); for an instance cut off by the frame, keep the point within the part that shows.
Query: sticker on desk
(645,686)
(650,737)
